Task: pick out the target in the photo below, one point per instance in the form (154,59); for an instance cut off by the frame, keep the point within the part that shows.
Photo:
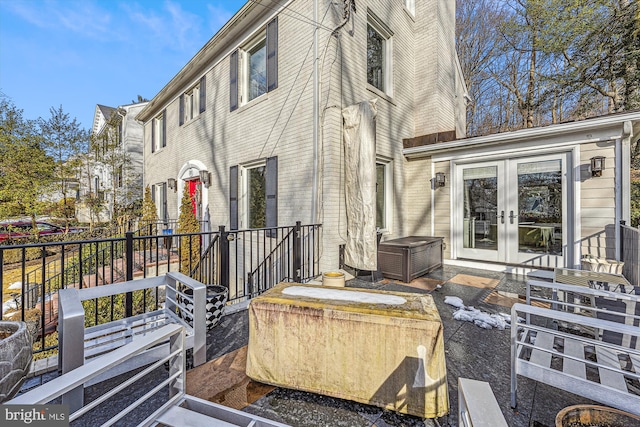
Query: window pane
(375,58)
(540,207)
(257,70)
(380,197)
(480,207)
(257,197)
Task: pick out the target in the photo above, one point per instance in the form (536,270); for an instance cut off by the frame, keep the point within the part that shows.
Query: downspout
(316,117)
(622,181)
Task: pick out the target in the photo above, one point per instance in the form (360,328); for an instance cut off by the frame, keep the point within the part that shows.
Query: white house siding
(418,194)
(595,204)
(598,201)
(280,123)
(442,208)
(435,67)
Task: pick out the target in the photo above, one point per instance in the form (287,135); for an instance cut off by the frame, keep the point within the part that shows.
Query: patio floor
(471,352)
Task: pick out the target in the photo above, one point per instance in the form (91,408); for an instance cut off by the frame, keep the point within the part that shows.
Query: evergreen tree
(148,225)
(189,245)
(25,169)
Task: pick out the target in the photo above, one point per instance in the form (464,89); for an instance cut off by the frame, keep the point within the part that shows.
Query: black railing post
(297,253)
(622,224)
(224,257)
(128,299)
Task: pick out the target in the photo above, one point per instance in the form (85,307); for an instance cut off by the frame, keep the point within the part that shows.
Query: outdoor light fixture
(597,165)
(440,179)
(205,177)
(171,183)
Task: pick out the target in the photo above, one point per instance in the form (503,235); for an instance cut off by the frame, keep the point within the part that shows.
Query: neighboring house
(113,169)
(252,126)
(540,197)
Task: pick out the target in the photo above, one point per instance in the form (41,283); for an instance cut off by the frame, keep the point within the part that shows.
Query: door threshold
(525,271)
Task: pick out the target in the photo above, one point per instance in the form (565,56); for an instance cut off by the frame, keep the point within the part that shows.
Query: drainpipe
(316,117)
(622,180)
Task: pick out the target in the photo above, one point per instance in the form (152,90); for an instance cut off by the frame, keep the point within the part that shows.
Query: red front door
(195,191)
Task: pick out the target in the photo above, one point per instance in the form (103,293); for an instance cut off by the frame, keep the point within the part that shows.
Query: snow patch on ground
(478,317)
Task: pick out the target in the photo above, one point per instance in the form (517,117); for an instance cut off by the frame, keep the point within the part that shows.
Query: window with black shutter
(233,75)
(203,94)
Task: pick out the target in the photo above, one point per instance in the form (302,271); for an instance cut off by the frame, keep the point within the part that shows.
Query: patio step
(178,416)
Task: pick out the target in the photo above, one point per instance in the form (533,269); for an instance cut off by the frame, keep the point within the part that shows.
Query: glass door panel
(480,208)
(540,210)
(513,210)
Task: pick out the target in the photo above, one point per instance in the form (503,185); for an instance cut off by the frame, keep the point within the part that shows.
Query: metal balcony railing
(247,262)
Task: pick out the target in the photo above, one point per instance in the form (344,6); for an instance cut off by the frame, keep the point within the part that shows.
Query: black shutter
(233,197)
(153,193)
(272,54)
(153,135)
(164,128)
(181,119)
(203,94)
(233,78)
(271,190)
(165,214)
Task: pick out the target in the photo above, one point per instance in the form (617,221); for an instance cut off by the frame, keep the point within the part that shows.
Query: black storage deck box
(409,257)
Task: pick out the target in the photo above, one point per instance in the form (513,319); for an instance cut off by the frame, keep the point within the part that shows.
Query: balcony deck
(471,352)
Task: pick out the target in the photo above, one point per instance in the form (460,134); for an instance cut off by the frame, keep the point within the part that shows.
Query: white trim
(518,270)
(243,185)
(433,203)
(618,195)
(389,198)
(244,68)
(521,135)
(188,171)
(387,65)
(574,156)
(530,148)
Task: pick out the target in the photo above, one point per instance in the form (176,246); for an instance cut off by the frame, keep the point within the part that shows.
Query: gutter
(520,135)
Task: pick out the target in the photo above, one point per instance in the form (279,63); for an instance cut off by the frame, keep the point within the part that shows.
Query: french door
(513,210)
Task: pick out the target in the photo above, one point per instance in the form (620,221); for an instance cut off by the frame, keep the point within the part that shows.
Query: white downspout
(316,117)
(622,181)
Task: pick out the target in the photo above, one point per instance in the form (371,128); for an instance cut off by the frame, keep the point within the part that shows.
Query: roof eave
(199,62)
(521,135)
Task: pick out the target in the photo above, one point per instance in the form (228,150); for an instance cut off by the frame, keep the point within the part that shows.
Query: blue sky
(81,53)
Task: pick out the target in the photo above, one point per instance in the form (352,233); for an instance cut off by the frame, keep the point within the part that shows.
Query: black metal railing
(247,262)
(630,253)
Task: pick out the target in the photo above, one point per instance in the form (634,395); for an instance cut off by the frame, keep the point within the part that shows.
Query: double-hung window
(193,102)
(379,55)
(253,194)
(254,67)
(158,133)
(255,70)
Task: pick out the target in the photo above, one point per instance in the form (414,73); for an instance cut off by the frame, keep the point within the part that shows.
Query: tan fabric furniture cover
(387,355)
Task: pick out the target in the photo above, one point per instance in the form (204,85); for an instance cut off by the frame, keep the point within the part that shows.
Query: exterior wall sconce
(597,165)
(440,179)
(171,183)
(205,177)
